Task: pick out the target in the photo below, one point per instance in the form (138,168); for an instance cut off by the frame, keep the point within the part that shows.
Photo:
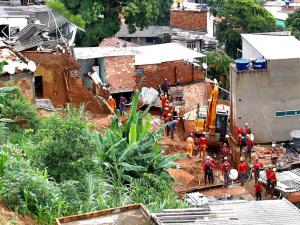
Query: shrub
(64,146)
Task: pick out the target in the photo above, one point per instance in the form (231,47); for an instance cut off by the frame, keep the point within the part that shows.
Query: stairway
(78,94)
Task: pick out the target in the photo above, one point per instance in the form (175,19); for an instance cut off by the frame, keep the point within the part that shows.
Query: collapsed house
(125,69)
(18,71)
(35,26)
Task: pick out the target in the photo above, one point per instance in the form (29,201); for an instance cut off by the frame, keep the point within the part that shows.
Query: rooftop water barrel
(242,64)
(259,64)
(296,138)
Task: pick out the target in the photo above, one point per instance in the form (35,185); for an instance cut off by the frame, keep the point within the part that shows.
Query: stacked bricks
(189,19)
(120,72)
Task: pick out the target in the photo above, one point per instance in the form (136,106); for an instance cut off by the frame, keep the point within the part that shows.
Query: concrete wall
(257,95)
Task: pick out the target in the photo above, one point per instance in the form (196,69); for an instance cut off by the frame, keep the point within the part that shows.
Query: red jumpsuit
(203,145)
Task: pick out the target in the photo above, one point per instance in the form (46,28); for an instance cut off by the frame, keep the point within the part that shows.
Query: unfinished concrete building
(267,99)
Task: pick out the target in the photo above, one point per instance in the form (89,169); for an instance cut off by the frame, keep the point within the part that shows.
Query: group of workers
(113,105)
(244,168)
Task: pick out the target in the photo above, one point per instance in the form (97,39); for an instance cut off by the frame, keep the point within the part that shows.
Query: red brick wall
(119,71)
(188,19)
(26,84)
(174,71)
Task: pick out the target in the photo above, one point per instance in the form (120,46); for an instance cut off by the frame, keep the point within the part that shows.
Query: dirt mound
(181,176)
(7,217)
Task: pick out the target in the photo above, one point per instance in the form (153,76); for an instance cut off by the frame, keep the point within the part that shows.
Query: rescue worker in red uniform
(207,168)
(249,147)
(268,172)
(203,145)
(242,169)
(247,129)
(256,168)
(258,189)
(226,171)
(273,181)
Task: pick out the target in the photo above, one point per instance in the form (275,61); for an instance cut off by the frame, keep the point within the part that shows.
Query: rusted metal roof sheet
(234,213)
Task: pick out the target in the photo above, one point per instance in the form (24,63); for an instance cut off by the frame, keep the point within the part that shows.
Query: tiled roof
(116,42)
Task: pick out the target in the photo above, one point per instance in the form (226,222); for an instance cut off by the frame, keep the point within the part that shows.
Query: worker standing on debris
(190,145)
(122,104)
(242,168)
(249,147)
(225,151)
(256,167)
(165,87)
(258,189)
(273,181)
(163,101)
(172,126)
(226,171)
(268,172)
(203,144)
(112,103)
(208,167)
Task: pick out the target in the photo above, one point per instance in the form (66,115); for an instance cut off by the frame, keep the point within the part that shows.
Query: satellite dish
(233,175)
(32,66)
(204,66)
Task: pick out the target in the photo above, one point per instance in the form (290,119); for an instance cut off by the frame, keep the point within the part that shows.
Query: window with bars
(287,113)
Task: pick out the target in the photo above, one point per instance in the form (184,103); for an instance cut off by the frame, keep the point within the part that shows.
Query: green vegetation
(293,23)
(64,166)
(101,17)
(242,16)
(2,64)
(218,68)
(58,6)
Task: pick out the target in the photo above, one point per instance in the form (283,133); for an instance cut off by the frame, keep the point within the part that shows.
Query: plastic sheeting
(150,96)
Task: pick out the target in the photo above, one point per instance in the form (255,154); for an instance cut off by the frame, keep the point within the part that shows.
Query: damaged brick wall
(174,71)
(119,72)
(26,84)
(189,19)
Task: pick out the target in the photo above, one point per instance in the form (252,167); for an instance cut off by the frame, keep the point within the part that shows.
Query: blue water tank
(259,64)
(242,64)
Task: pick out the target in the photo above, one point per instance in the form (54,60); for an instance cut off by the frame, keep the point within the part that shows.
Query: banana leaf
(139,126)
(130,167)
(132,115)
(128,152)
(147,124)
(132,134)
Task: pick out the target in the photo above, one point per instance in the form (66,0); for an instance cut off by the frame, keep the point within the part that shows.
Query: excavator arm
(212,110)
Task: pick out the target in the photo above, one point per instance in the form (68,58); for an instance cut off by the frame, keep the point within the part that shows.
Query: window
(287,113)
(139,72)
(191,45)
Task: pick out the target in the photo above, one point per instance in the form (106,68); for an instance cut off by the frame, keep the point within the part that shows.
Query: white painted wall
(249,52)
(257,95)
(14,22)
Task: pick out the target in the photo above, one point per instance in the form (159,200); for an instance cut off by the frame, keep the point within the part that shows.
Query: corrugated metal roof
(267,212)
(116,42)
(287,181)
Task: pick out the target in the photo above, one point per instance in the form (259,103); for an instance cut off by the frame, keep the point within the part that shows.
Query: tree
(242,16)
(293,23)
(102,16)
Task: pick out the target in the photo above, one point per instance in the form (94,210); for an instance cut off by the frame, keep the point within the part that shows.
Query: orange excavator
(213,121)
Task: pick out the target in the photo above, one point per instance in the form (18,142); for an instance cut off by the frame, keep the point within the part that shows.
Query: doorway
(38,80)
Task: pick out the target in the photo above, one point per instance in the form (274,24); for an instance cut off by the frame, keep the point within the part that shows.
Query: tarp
(150,96)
